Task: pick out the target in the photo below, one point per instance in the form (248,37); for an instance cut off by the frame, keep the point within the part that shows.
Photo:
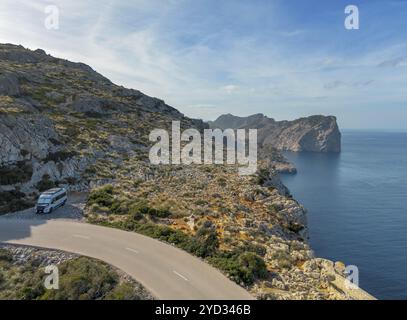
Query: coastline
(335,269)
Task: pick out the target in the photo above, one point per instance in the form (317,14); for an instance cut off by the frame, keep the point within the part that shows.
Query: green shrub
(5,255)
(32,291)
(102,196)
(254,248)
(241,268)
(262,176)
(60,156)
(20,204)
(93,114)
(284,260)
(7,196)
(24,152)
(275,208)
(40,95)
(230,265)
(83,279)
(295,227)
(136,215)
(201,202)
(19,173)
(204,244)
(159,213)
(123,291)
(14,200)
(71,180)
(222,182)
(119,207)
(207,242)
(252,264)
(45,184)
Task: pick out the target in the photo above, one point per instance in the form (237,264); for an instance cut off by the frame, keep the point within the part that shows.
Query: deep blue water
(357,207)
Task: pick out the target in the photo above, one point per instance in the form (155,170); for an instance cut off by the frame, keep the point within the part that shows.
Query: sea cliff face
(312,134)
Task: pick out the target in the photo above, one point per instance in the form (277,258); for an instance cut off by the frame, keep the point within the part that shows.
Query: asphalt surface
(167,272)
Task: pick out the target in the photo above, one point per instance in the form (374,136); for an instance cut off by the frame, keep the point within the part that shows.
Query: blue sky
(285,59)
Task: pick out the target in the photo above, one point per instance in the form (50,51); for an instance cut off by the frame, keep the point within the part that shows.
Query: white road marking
(180,275)
(132,250)
(81,236)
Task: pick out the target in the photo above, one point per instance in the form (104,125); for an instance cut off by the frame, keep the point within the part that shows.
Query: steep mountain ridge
(58,118)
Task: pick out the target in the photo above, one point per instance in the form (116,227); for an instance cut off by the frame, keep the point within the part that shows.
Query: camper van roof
(53,191)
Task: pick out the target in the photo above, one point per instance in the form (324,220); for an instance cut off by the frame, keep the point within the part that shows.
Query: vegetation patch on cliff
(14,200)
(18,173)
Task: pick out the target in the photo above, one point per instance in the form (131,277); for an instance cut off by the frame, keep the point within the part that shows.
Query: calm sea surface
(357,207)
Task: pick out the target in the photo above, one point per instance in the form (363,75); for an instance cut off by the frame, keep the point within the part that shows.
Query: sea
(356,205)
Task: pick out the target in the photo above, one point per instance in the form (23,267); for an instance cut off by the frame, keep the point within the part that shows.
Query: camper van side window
(63,195)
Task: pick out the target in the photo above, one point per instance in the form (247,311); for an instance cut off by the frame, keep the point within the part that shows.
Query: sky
(284,58)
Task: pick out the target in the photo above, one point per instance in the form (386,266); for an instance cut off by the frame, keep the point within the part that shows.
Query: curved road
(167,272)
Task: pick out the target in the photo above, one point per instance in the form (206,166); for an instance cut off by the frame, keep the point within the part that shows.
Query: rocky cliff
(59,118)
(314,134)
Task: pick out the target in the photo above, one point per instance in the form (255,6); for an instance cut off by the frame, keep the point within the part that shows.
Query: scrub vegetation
(15,201)
(79,279)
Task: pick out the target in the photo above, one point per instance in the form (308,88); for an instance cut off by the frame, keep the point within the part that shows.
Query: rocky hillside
(315,133)
(61,122)
(246,226)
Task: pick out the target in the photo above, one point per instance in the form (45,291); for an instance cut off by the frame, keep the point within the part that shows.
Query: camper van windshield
(44,200)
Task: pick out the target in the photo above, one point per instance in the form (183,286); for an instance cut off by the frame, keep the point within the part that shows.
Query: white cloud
(230,88)
(168,50)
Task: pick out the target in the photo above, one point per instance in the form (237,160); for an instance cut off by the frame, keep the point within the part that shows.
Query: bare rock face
(24,137)
(312,134)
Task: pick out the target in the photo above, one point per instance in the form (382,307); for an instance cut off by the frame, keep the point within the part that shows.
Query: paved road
(168,272)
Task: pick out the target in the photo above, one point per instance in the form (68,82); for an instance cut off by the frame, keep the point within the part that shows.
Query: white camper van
(51,200)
